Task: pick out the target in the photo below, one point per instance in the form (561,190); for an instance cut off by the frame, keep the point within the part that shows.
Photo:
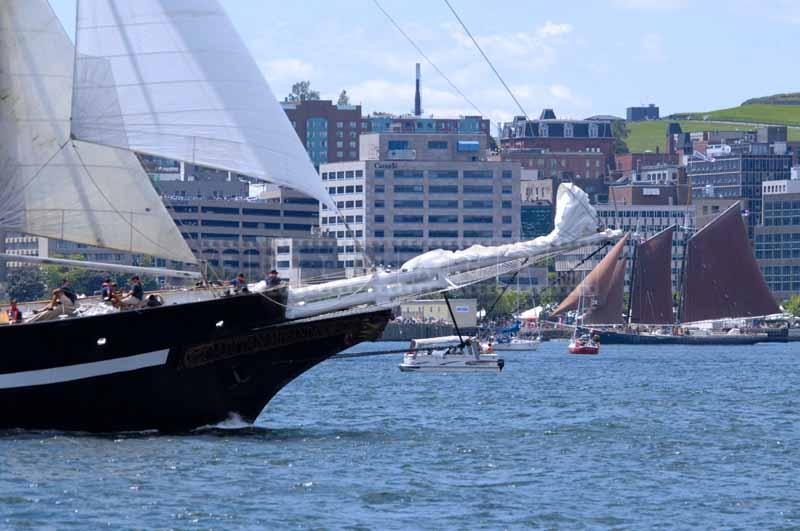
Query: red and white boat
(583,345)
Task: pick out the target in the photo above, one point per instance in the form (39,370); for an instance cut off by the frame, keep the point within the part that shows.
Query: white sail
(49,185)
(173,78)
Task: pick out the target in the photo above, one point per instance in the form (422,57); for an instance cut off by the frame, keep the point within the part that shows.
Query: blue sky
(578,57)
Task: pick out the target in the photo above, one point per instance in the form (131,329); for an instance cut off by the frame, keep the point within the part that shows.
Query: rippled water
(637,437)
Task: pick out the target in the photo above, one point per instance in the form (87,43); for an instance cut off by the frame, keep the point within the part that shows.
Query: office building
(739,176)
(329,132)
(777,239)
(413,192)
(642,113)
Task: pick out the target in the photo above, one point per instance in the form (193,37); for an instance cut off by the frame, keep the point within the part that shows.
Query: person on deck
(135,296)
(273,280)
(240,284)
(63,302)
(106,292)
(14,313)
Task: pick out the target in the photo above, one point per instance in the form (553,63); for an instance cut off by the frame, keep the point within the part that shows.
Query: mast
(633,281)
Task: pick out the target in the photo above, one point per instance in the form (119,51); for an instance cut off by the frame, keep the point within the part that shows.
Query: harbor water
(704,437)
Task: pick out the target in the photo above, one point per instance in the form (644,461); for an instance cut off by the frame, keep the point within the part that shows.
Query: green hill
(645,136)
(790,98)
(753,113)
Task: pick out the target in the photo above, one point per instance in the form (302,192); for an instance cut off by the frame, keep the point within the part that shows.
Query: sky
(579,58)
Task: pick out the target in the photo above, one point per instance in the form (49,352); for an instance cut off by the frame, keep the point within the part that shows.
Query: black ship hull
(621,338)
(172,368)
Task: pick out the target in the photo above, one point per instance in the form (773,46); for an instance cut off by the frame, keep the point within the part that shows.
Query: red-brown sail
(601,289)
(651,285)
(721,277)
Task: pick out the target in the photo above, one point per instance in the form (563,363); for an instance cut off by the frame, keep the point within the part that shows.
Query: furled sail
(721,277)
(173,78)
(51,186)
(602,290)
(651,282)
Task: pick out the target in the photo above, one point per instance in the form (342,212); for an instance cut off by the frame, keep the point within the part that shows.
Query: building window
(507,190)
(479,219)
(506,204)
(478,174)
(443,234)
(408,188)
(407,219)
(507,234)
(507,174)
(379,234)
(379,188)
(397,144)
(408,234)
(408,174)
(443,174)
(437,144)
(478,234)
(379,174)
(481,203)
(443,218)
(446,189)
(443,203)
(477,189)
(409,203)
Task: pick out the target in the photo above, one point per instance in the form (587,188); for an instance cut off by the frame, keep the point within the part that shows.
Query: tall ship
(721,281)
(174,80)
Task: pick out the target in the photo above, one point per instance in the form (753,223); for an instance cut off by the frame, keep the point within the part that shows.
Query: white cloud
(288,69)
(551,29)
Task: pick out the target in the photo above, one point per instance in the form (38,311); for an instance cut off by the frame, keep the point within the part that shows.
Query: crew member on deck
(63,302)
(273,280)
(14,313)
(107,293)
(135,296)
(240,284)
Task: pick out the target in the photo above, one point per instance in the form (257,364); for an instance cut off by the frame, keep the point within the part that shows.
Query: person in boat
(135,296)
(63,302)
(106,291)
(240,284)
(14,313)
(273,280)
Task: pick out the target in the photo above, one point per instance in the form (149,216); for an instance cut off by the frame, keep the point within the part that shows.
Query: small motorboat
(449,354)
(516,344)
(584,344)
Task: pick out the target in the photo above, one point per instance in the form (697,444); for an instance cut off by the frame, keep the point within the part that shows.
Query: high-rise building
(777,239)
(329,132)
(413,192)
(739,176)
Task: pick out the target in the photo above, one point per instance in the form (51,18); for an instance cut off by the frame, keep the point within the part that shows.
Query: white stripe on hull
(71,373)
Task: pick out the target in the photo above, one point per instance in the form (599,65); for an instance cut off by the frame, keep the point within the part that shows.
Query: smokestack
(417,97)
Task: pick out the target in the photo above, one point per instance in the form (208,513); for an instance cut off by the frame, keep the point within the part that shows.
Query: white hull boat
(517,345)
(449,354)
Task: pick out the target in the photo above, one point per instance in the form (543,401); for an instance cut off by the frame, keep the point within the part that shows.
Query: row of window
(244,237)
(441,234)
(340,175)
(443,174)
(353,189)
(440,219)
(442,189)
(332,220)
(441,203)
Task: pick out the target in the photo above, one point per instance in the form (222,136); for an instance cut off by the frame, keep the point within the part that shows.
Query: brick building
(329,132)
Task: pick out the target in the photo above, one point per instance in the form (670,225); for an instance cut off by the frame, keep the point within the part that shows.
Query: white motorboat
(449,354)
(517,344)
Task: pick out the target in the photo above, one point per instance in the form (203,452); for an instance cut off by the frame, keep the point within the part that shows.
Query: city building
(532,188)
(389,123)
(642,113)
(777,239)
(329,132)
(560,148)
(536,219)
(436,310)
(413,192)
(626,163)
(739,176)
(661,184)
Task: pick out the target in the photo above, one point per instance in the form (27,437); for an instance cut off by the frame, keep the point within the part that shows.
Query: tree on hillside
(26,284)
(344,99)
(620,133)
(301,91)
